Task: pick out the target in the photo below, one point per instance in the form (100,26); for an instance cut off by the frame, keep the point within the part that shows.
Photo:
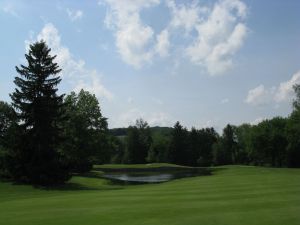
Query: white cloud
(283,93)
(163,44)
(259,95)
(93,85)
(219,36)
(73,70)
(285,90)
(74,14)
(220,32)
(185,16)
(134,39)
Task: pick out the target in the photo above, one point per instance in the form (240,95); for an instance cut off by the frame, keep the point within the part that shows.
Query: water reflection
(149,177)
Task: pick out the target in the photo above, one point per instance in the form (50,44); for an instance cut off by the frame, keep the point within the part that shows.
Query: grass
(233,195)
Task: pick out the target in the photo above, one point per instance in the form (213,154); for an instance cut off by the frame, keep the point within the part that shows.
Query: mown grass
(233,195)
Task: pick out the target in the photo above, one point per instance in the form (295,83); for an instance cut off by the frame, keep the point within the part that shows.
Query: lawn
(233,195)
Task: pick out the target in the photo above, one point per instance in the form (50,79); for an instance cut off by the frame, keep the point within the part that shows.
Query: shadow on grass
(73,185)
(67,187)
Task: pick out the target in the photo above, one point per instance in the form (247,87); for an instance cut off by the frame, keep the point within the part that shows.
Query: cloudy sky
(203,63)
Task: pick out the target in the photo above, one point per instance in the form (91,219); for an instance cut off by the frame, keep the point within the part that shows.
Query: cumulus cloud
(259,95)
(284,92)
(214,34)
(163,44)
(93,85)
(74,14)
(134,39)
(219,36)
(185,16)
(73,70)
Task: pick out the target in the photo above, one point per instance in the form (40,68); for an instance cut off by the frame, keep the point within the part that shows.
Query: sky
(203,63)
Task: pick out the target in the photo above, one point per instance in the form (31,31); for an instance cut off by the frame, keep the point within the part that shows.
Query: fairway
(233,195)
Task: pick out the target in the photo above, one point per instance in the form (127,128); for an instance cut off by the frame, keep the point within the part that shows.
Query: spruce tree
(37,159)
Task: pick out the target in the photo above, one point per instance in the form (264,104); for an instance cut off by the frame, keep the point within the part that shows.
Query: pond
(144,177)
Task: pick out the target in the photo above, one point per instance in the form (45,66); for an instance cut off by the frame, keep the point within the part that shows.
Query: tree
(230,143)
(268,142)
(7,119)
(85,131)
(178,149)
(207,138)
(39,109)
(8,135)
(278,141)
(260,144)
(159,148)
(243,133)
(138,142)
(226,146)
(293,132)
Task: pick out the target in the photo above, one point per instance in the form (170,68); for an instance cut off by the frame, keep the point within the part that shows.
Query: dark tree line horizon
(46,137)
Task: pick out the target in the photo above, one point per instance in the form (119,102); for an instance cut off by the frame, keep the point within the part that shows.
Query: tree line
(274,142)
(45,137)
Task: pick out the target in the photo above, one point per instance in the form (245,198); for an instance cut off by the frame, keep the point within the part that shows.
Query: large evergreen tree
(39,108)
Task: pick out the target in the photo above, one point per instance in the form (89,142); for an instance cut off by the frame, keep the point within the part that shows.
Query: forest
(45,137)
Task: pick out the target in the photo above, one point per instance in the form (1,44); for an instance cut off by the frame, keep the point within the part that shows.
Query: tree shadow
(66,187)
(73,186)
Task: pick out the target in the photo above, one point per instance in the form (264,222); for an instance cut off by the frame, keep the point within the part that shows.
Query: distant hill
(154,130)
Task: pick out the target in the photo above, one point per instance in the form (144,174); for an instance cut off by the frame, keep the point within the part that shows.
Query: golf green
(232,195)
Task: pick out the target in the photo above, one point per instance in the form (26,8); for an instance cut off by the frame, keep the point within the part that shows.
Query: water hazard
(142,177)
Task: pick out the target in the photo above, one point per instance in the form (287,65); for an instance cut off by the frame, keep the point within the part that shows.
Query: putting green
(233,195)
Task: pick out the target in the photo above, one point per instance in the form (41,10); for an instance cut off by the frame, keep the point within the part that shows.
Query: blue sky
(203,63)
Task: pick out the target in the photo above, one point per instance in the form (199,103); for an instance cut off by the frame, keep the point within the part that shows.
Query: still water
(149,177)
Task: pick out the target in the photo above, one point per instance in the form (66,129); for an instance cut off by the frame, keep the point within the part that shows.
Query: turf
(233,195)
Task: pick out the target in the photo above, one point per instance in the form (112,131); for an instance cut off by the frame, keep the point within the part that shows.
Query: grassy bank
(232,195)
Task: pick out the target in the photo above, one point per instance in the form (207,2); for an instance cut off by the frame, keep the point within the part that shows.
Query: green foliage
(8,132)
(178,149)
(7,119)
(117,149)
(268,142)
(293,132)
(159,148)
(85,131)
(206,139)
(243,135)
(225,150)
(37,159)
(138,142)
